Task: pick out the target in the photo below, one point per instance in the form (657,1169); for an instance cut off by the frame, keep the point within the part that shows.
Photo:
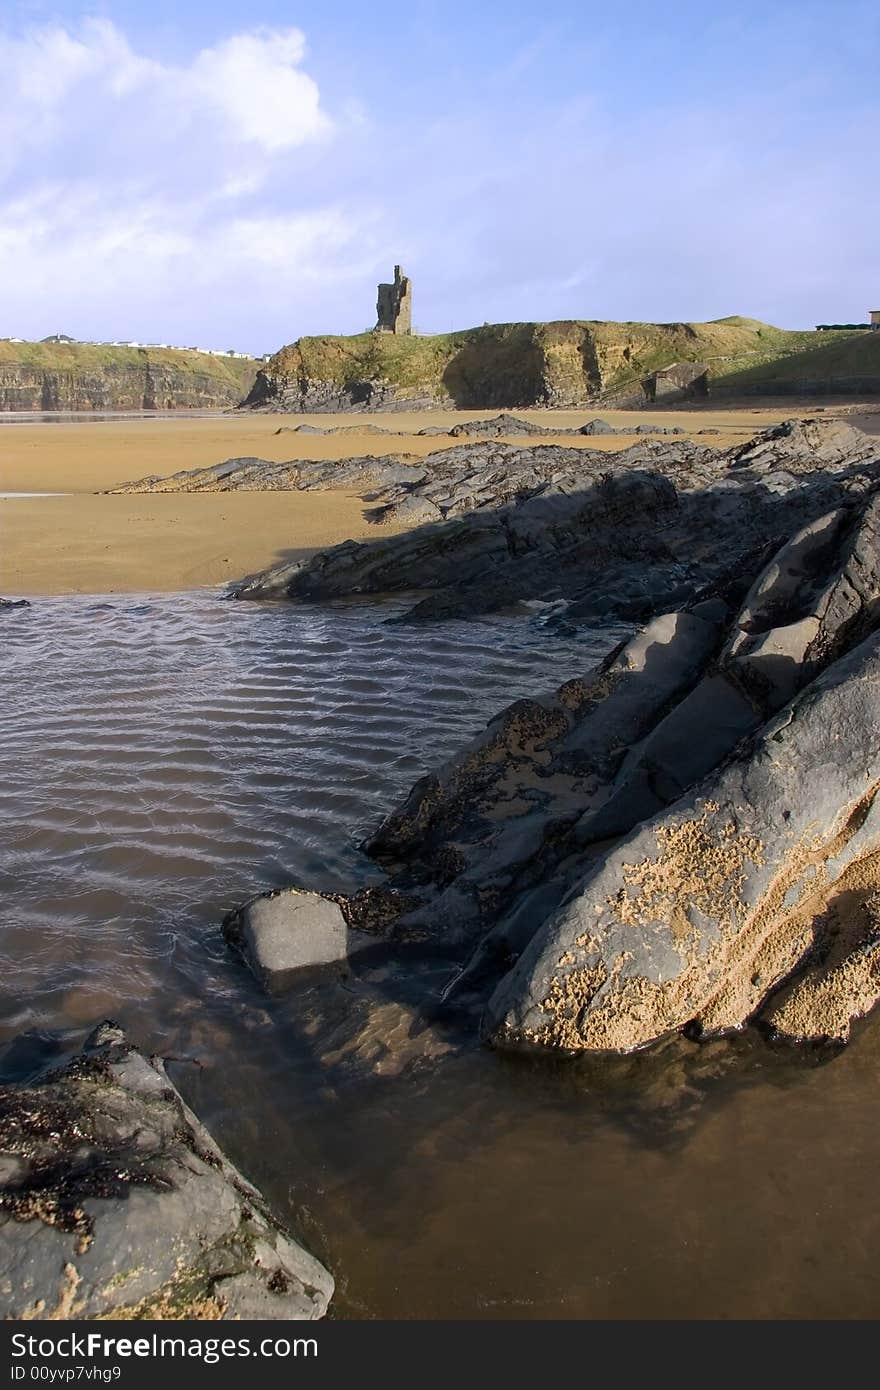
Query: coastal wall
(86,376)
(569,363)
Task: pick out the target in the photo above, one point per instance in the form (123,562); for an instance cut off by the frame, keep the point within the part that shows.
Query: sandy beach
(82,542)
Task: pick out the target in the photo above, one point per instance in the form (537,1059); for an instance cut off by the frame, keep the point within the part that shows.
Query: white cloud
(249,89)
(146,267)
(162,189)
(253,83)
(217,197)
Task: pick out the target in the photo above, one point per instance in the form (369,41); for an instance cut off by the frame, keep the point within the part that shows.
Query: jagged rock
(619,536)
(334,429)
(514,426)
(281,934)
(597,426)
(795,445)
(487,559)
(819,596)
(7,604)
(476,830)
(117,1203)
(261,475)
(498,425)
(702,912)
(654,531)
(623,839)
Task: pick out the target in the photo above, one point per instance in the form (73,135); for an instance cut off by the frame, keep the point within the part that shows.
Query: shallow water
(99,417)
(161,759)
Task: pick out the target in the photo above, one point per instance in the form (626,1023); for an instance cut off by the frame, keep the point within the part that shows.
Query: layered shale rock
(566,363)
(685,837)
(251,474)
(618,536)
(493,823)
(116,1203)
(91,376)
(798,446)
(700,914)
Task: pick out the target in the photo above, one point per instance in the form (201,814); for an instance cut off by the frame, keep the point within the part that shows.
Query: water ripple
(163,758)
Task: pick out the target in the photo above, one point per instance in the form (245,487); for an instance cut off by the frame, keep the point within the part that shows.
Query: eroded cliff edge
(86,376)
(565,363)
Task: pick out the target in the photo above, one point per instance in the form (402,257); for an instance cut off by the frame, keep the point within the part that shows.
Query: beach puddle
(163,758)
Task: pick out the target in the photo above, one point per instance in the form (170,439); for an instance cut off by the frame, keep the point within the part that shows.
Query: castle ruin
(394,305)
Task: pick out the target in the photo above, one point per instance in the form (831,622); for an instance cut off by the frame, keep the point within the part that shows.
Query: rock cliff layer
(568,363)
(83,376)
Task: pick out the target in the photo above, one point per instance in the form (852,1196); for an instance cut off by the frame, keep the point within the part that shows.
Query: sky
(233,176)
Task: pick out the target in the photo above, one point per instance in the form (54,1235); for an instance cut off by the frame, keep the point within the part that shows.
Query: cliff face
(504,366)
(84,376)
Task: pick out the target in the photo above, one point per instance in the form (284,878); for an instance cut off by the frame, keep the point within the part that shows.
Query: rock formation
(706,909)
(83,376)
(566,363)
(394,470)
(117,1203)
(259,475)
(281,934)
(611,535)
(688,836)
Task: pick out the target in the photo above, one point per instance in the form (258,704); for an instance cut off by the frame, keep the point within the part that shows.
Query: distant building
(679,381)
(394,305)
(873,323)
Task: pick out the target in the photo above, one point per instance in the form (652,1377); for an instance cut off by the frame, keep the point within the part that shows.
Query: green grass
(832,358)
(568,359)
(236,374)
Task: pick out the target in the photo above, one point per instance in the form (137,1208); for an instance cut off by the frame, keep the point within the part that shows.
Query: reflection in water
(161,760)
(92,417)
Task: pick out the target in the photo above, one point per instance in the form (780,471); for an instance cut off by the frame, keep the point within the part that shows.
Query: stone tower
(394,305)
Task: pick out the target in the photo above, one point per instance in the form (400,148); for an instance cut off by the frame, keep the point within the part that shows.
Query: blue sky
(220,175)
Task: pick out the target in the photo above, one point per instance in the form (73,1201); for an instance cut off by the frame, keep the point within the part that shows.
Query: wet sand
(85,543)
(111,545)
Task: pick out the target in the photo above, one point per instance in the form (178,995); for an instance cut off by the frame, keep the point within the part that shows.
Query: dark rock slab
(117,1203)
(619,537)
(474,833)
(261,475)
(681,832)
(701,913)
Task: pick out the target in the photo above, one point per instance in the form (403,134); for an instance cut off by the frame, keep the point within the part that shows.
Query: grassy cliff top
(613,356)
(94,358)
(833,356)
